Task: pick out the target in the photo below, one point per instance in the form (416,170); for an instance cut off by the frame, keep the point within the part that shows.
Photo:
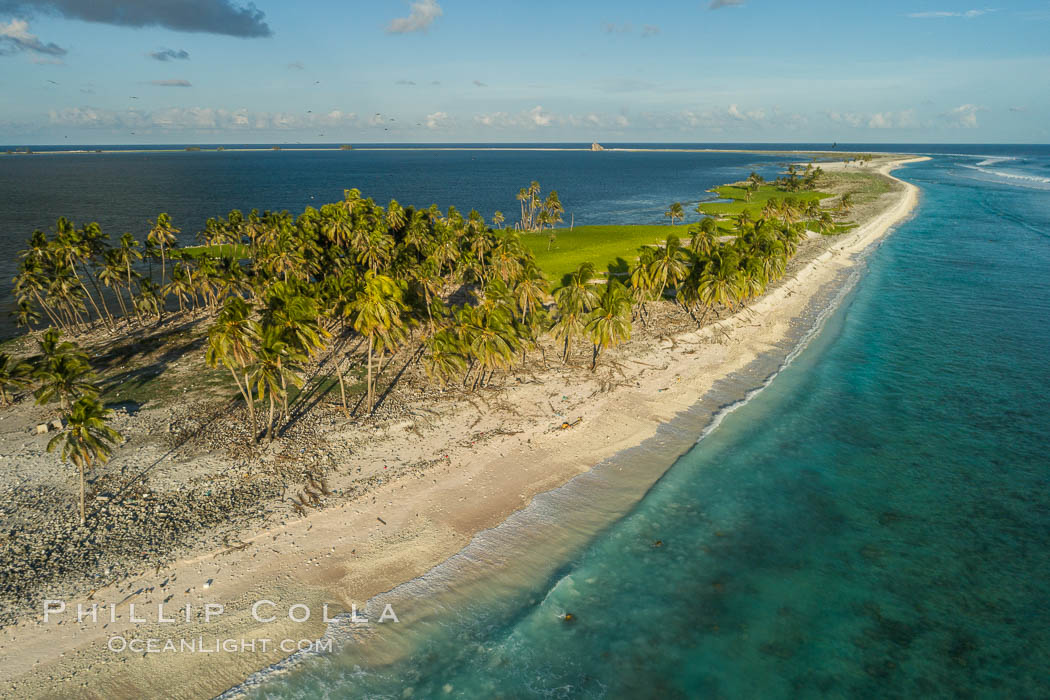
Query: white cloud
(964,116)
(421,15)
(436,120)
(533,118)
(968,14)
(15,36)
(755,115)
(539,117)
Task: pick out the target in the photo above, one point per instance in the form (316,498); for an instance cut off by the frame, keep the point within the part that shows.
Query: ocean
(869,515)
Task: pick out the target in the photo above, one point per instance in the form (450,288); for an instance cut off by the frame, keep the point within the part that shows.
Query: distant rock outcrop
(597,146)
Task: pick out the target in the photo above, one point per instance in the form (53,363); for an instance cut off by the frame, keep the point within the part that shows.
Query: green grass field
(237,251)
(607,247)
(758,199)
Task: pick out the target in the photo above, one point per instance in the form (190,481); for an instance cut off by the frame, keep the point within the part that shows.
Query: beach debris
(380,520)
(566,425)
(41,428)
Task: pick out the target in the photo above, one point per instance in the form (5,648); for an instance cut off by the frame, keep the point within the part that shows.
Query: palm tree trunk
(371,403)
(83,514)
(284,390)
(101,296)
(247,399)
(342,388)
(47,309)
(120,302)
(105,307)
(131,293)
(87,293)
(269,426)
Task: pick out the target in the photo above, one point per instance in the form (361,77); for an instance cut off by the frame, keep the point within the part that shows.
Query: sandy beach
(485,465)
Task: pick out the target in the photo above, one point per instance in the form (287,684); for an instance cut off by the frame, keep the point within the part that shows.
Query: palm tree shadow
(307,400)
(221,412)
(618,268)
(134,380)
(393,382)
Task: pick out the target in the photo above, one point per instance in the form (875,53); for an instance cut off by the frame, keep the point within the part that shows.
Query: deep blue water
(876,523)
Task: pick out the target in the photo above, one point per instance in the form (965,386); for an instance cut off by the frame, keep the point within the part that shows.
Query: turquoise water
(875,523)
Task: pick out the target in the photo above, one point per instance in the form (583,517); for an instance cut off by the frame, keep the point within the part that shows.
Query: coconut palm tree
(71,249)
(94,248)
(86,440)
(62,370)
(610,322)
(574,301)
(826,222)
(111,275)
(31,285)
(668,266)
(129,254)
(445,355)
(162,235)
(531,291)
(14,374)
(705,237)
(376,311)
(181,284)
(675,212)
(490,336)
(642,281)
(552,209)
(233,340)
(721,281)
(272,371)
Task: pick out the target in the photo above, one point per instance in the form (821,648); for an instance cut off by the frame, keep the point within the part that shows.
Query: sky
(430,71)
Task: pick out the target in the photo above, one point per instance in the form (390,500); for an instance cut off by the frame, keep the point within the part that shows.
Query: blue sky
(222,71)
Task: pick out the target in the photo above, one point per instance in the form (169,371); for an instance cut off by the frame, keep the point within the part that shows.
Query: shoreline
(432,521)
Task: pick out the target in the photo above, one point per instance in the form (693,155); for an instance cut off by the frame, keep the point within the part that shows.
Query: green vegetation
(237,251)
(739,202)
(603,246)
